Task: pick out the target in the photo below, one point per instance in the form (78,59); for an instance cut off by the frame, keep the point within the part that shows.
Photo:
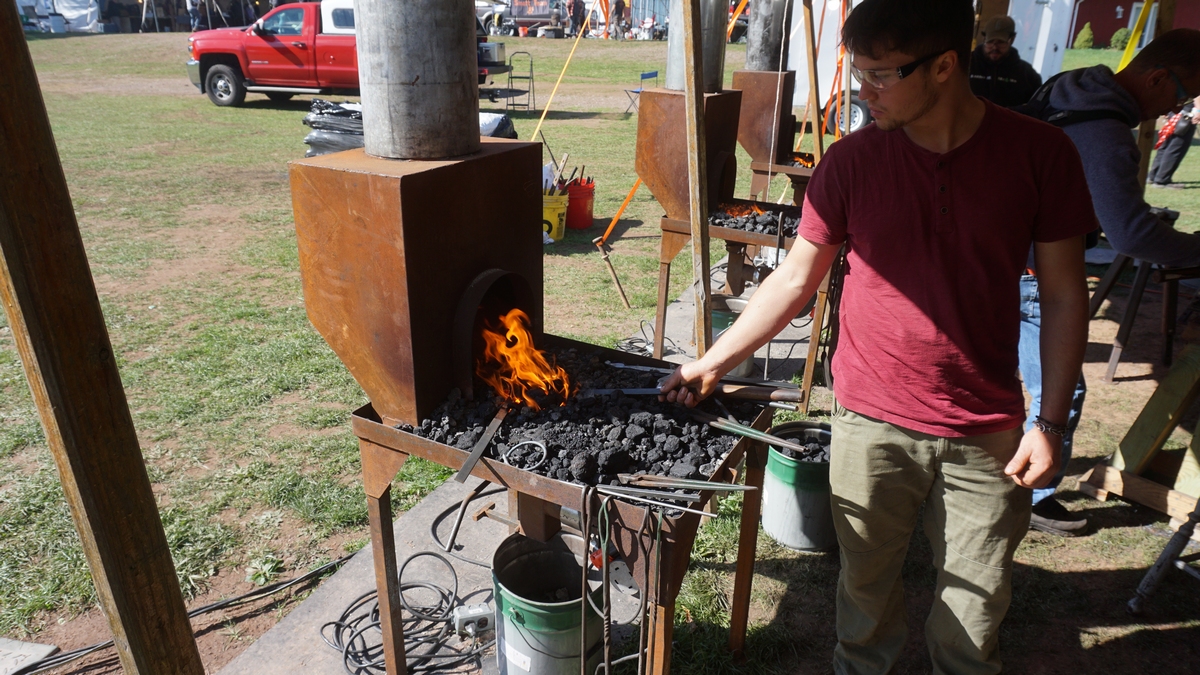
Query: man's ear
(945,65)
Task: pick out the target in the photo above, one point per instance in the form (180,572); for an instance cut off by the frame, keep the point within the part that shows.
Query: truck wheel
(224,86)
(860,115)
(279,96)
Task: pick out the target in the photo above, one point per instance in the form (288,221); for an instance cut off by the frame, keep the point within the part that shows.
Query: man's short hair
(914,27)
(1177,49)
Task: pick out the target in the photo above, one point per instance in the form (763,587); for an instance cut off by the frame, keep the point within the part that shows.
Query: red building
(1106,16)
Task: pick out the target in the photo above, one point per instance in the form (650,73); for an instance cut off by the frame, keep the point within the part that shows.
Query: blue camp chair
(634,94)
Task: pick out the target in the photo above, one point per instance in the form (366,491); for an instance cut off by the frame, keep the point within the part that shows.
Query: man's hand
(1037,459)
(689,384)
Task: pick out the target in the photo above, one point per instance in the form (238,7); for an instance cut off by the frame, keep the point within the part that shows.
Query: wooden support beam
(57,324)
(697,174)
(1161,414)
(1103,481)
(813,107)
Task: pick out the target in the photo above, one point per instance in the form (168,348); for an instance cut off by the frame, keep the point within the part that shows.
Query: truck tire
(279,96)
(860,115)
(224,86)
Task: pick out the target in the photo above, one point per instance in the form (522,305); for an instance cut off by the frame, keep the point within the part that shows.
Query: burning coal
(517,371)
(752,218)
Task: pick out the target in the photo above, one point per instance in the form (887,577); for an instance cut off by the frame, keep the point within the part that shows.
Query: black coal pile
(590,440)
(759,223)
(813,452)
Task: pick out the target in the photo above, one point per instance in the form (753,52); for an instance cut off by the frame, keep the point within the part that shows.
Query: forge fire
(588,439)
(750,217)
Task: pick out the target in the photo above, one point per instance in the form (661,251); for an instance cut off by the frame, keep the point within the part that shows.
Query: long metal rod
(728,378)
(605,490)
(653,494)
(697,173)
(481,445)
(743,430)
(649,480)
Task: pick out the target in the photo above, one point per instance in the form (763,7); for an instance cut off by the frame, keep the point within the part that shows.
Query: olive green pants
(880,475)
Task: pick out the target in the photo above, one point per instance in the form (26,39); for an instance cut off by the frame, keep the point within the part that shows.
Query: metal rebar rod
(481,445)
(648,480)
(654,493)
(605,490)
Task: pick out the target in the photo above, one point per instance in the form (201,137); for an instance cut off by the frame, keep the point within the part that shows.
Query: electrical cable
(433,534)
(643,345)
(62,658)
(428,626)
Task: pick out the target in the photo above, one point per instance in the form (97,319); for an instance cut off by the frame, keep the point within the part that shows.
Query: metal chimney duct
(764,35)
(714,20)
(418,76)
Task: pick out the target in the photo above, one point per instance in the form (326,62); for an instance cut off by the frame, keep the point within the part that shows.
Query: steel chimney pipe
(714,20)
(418,77)
(765,34)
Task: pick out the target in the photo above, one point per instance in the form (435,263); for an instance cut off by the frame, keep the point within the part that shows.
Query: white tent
(80,16)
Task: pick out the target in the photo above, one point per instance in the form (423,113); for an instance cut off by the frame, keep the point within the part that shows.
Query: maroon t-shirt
(936,247)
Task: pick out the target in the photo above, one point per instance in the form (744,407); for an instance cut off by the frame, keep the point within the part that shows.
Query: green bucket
(538,597)
(796,509)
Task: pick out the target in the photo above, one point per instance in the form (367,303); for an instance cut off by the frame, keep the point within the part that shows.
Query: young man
(1163,77)
(937,203)
(997,71)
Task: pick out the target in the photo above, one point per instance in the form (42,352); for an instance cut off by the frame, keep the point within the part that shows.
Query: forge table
(539,501)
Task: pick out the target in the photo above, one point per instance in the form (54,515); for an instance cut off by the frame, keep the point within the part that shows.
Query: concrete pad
(16,656)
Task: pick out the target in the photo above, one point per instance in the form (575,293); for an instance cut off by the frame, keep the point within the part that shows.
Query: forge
(417,288)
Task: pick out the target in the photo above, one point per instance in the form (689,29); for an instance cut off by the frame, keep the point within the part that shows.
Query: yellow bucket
(554,216)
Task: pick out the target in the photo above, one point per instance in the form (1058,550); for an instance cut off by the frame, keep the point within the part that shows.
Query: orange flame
(739,210)
(513,368)
(805,159)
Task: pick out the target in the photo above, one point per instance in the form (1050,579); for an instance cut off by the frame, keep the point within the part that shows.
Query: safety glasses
(882,78)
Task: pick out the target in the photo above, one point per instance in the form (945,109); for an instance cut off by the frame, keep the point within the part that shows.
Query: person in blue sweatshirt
(1162,78)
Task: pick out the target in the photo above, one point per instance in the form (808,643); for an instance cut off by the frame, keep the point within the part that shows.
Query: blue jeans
(1030,355)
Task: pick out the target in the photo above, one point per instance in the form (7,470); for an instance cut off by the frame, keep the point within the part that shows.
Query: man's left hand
(1037,459)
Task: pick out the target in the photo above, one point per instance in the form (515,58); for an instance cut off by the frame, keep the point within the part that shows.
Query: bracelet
(1047,427)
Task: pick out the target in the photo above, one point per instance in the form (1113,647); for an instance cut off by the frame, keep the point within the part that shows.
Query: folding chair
(634,94)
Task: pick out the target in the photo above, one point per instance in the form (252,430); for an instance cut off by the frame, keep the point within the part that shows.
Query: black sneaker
(1053,518)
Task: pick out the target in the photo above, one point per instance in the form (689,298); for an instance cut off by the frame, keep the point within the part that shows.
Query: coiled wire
(428,628)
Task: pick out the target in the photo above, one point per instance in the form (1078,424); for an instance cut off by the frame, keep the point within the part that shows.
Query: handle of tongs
(756,393)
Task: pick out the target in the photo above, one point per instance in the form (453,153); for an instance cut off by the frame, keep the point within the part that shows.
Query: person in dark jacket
(997,71)
(1175,147)
(577,12)
(1162,78)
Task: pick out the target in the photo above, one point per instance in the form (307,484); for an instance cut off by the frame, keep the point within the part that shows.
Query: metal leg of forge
(539,518)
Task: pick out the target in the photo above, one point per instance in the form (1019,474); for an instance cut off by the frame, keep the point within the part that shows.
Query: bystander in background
(997,71)
(1173,148)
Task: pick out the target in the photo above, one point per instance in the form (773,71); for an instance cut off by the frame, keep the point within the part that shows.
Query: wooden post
(813,112)
(697,175)
(50,297)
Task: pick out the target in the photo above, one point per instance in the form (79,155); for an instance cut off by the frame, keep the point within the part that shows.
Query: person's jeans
(1030,354)
(194,13)
(975,516)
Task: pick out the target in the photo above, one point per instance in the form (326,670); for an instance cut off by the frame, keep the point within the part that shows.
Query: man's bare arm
(1063,297)
(770,308)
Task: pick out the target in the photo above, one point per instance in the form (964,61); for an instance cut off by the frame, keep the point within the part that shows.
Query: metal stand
(525,99)
(1168,558)
(539,502)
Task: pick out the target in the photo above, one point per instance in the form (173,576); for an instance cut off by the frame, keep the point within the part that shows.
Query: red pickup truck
(301,48)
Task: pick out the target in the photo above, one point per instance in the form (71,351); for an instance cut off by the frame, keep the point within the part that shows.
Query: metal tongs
(668,483)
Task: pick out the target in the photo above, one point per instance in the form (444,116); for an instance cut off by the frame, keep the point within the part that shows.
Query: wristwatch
(1047,427)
